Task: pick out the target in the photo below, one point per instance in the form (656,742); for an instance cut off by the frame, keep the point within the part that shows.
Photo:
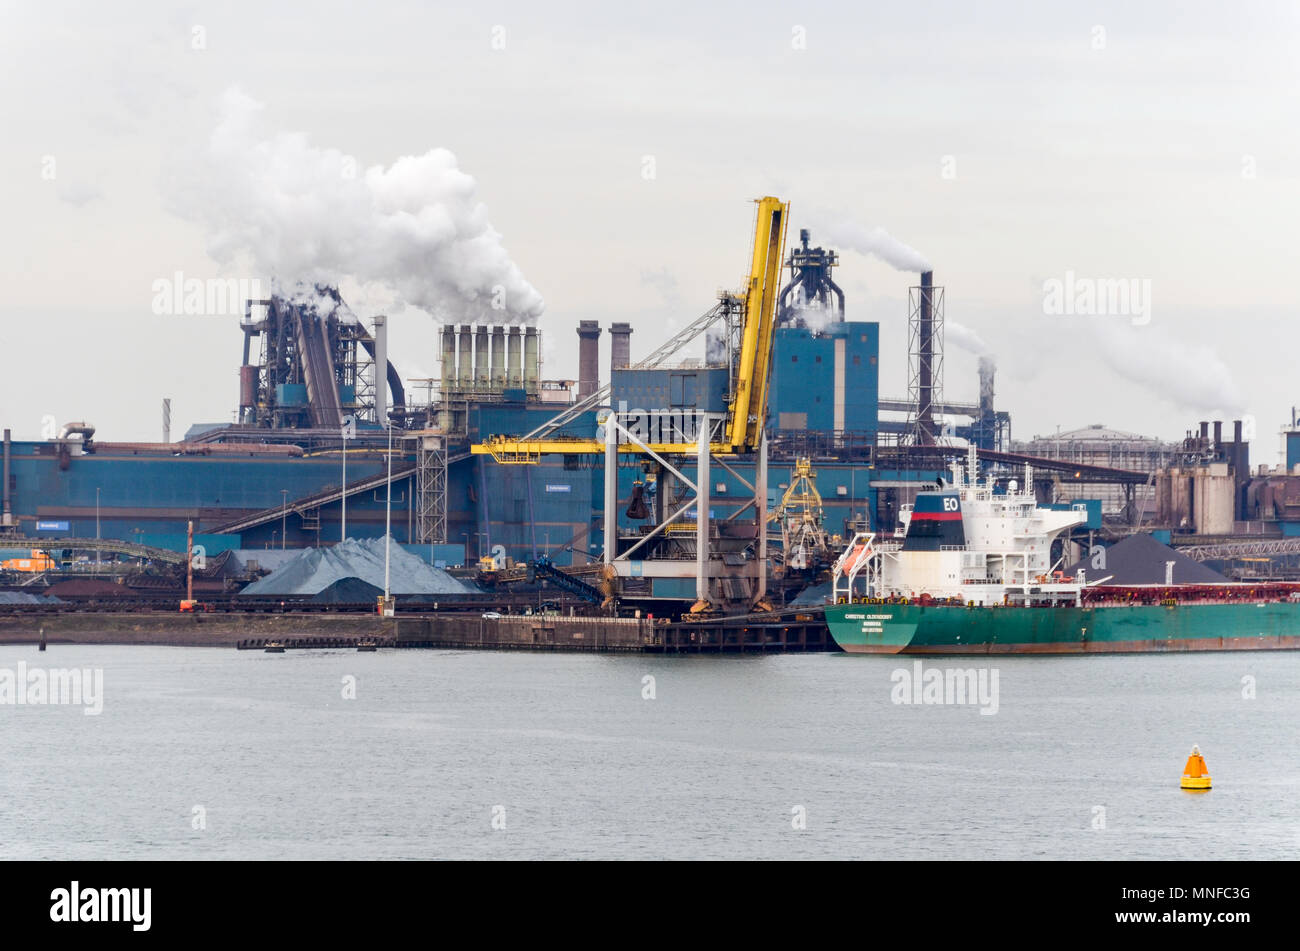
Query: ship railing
(860,554)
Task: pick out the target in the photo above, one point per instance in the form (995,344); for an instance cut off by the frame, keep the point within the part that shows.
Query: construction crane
(721,552)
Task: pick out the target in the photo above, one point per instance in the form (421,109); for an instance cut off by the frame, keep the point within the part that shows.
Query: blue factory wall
(826,382)
(156,494)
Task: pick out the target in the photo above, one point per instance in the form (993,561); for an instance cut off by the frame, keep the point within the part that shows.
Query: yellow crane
(750,319)
(747,410)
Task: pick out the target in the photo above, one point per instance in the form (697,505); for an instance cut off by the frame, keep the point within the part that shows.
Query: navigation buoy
(1196,775)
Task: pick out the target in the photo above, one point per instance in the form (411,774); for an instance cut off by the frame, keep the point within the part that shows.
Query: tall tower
(924,358)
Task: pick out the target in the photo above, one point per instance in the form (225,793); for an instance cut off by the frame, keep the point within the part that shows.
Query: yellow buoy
(1196,775)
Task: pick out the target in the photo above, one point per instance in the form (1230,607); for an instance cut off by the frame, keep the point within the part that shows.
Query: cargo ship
(970,571)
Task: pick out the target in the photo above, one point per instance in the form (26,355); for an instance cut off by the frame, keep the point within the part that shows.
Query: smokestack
(1236,431)
(925,362)
(620,347)
(465,368)
(247,392)
(498,359)
(381,370)
(532,362)
(1205,430)
(588,358)
(482,363)
(7,516)
(448,360)
(167,421)
(514,362)
(1218,433)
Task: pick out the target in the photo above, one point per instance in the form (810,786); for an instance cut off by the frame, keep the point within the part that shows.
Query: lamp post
(349,430)
(284,517)
(386,607)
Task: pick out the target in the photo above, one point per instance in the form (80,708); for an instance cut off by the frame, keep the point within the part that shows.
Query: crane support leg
(702,517)
(611,489)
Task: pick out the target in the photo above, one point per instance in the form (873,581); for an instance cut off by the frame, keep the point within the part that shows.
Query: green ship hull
(895,628)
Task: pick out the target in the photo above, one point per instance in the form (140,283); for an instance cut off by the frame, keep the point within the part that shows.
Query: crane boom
(743,431)
(749,404)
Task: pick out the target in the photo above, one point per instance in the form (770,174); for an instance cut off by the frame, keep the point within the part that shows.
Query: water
(567,752)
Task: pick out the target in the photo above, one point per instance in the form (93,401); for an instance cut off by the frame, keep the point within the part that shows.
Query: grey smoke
(299,213)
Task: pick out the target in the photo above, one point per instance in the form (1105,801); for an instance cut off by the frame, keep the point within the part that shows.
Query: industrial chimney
(514,360)
(925,361)
(498,382)
(481,359)
(381,369)
(532,363)
(465,368)
(448,360)
(620,347)
(588,358)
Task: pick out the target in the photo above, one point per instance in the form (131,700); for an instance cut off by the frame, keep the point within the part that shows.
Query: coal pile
(315,569)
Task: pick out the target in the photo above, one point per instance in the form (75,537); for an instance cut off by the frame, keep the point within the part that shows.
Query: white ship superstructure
(968,542)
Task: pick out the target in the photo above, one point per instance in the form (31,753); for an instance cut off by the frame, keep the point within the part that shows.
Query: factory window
(857,360)
(819,359)
(863,338)
(873,361)
(794,358)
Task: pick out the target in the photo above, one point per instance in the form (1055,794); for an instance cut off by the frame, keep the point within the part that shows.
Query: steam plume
(302,213)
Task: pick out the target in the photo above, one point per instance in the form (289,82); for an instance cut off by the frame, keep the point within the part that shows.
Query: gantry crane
(805,544)
(728,551)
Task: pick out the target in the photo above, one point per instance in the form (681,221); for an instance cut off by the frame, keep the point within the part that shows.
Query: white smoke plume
(297,212)
(877,242)
(1191,377)
(967,339)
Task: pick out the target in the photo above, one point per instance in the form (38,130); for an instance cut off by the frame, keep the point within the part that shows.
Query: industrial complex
(720,487)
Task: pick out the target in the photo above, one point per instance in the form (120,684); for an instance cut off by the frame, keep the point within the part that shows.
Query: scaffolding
(431,487)
(925,305)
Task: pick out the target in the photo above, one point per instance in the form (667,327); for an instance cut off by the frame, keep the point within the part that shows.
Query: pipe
(532,362)
(514,362)
(498,381)
(7,516)
(588,358)
(465,368)
(381,369)
(84,430)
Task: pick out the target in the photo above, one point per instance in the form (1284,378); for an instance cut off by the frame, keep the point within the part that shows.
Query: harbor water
(415,754)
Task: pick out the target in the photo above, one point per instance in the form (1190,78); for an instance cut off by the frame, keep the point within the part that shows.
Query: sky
(605,157)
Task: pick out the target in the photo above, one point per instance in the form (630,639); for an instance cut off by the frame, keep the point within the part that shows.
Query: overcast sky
(1008,143)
